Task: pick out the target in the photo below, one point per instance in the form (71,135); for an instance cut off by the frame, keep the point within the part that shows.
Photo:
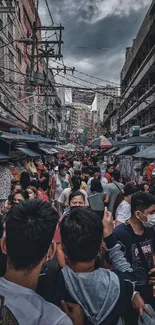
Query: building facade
(111,123)
(138,79)
(103,96)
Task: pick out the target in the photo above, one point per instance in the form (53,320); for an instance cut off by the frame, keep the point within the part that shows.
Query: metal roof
(149,153)
(28,152)
(48,149)
(124,150)
(3,157)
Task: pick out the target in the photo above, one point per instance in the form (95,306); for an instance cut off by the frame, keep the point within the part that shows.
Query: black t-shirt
(45,183)
(128,239)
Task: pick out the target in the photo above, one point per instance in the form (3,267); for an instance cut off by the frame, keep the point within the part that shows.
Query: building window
(19,53)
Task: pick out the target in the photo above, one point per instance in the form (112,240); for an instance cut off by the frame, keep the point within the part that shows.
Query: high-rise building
(138,79)
(103,96)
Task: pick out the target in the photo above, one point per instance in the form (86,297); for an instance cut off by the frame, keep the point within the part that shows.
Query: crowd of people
(78,247)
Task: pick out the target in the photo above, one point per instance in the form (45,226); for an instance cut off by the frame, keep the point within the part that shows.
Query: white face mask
(150,221)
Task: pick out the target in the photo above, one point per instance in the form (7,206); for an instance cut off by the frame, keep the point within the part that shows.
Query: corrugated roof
(28,152)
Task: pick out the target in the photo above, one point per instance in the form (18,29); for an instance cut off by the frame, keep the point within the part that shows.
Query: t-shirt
(128,239)
(112,190)
(123,212)
(19,305)
(64,196)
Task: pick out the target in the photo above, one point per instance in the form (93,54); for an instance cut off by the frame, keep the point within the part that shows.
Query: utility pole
(31,76)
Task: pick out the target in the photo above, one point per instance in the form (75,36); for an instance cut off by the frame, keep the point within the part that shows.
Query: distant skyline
(96,34)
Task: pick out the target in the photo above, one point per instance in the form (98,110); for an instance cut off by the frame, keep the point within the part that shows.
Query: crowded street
(77,162)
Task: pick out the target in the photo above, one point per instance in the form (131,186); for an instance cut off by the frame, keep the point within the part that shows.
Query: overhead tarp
(149,153)
(28,152)
(124,150)
(83,97)
(112,150)
(3,157)
(139,141)
(48,150)
(27,138)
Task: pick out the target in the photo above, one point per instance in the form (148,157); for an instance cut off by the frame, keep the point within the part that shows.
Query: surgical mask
(150,221)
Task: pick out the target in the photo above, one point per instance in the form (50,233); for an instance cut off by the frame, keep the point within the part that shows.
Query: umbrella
(102,143)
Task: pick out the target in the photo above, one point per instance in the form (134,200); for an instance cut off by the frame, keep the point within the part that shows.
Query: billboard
(83,97)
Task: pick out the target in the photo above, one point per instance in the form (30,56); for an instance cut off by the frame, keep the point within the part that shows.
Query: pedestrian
(75,186)
(19,196)
(33,193)
(109,172)
(113,189)
(103,294)
(138,241)
(27,241)
(122,206)
(59,182)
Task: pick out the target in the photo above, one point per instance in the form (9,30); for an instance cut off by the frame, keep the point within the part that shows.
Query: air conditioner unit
(134,131)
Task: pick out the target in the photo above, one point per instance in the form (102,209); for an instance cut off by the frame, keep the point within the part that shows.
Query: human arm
(123,213)
(52,191)
(74,312)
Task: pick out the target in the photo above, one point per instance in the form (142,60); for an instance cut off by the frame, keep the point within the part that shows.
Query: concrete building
(103,96)
(111,123)
(138,79)
(94,124)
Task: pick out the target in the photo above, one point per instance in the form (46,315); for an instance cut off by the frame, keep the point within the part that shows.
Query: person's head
(16,187)
(144,187)
(129,190)
(85,170)
(110,169)
(35,183)
(62,170)
(76,199)
(77,172)
(96,186)
(71,164)
(25,180)
(116,175)
(19,196)
(33,193)
(85,163)
(76,183)
(81,233)
(30,227)
(143,208)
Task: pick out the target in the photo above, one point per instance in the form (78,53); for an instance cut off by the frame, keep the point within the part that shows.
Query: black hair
(35,183)
(141,187)
(96,169)
(30,227)
(109,165)
(116,175)
(77,172)
(60,167)
(141,201)
(81,233)
(85,170)
(85,164)
(24,180)
(76,183)
(96,186)
(74,194)
(24,194)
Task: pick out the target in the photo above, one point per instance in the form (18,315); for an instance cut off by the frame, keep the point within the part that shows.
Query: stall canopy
(149,153)
(3,157)
(48,149)
(112,150)
(124,151)
(102,143)
(28,152)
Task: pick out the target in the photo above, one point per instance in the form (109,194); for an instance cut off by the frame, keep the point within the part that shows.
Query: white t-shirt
(64,197)
(24,306)
(123,212)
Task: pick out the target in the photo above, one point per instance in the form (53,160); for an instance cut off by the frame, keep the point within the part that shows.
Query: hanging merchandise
(5,182)
(30,167)
(126,168)
(149,170)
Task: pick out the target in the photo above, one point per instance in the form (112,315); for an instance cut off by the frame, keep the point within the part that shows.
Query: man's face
(147,212)
(77,201)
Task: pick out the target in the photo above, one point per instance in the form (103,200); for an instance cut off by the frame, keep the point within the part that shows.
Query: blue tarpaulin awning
(124,151)
(146,153)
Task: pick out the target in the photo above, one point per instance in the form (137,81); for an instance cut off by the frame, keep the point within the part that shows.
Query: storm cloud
(97,33)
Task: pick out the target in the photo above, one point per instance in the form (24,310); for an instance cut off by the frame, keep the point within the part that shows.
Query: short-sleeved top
(128,239)
(123,212)
(112,190)
(64,196)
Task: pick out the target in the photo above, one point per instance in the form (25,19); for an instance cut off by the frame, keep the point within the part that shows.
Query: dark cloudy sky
(97,33)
